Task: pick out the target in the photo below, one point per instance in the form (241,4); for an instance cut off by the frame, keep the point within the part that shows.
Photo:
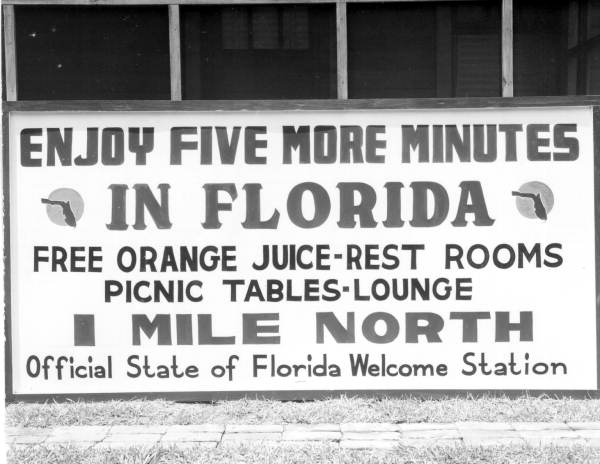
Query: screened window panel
(76,52)
(265,27)
(593,18)
(395,58)
(294,25)
(540,47)
(423,50)
(593,77)
(476,31)
(593,55)
(235,29)
(477,69)
(259,52)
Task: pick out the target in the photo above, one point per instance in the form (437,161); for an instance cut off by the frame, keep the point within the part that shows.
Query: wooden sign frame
(294,106)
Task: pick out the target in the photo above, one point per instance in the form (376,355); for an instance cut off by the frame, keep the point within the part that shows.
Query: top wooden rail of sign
(298,105)
(194,2)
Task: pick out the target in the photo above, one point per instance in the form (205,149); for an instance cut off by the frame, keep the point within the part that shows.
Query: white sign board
(306,251)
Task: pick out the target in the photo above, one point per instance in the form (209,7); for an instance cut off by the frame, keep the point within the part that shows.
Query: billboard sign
(197,253)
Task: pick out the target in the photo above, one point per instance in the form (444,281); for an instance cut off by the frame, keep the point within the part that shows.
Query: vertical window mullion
(507,48)
(175,52)
(342,49)
(10,53)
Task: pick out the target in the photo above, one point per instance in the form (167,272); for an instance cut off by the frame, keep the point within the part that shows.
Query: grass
(342,409)
(336,410)
(317,453)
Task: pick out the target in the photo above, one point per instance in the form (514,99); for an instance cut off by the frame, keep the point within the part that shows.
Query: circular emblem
(64,207)
(534,200)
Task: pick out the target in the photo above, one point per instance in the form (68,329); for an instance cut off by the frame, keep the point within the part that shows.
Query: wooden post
(342,50)
(507,48)
(175,52)
(10,52)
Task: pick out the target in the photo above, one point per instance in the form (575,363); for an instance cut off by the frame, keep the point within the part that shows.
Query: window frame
(506,38)
(175,40)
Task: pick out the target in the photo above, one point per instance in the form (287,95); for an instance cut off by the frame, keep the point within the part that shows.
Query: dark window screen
(592,58)
(593,62)
(540,47)
(262,51)
(423,50)
(476,53)
(391,51)
(92,52)
(593,18)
